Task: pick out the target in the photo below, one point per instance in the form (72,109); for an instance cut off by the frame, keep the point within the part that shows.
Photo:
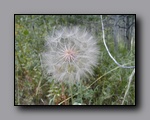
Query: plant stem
(127,90)
(81,91)
(72,101)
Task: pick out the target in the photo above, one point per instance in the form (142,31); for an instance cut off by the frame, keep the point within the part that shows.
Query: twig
(130,79)
(109,51)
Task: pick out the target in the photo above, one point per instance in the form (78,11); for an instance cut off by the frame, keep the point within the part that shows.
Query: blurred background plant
(106,87)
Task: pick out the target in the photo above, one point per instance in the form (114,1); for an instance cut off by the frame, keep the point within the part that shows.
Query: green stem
(72,101)
(81,91)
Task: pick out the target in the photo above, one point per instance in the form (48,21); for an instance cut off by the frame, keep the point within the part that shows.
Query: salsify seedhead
(71,54)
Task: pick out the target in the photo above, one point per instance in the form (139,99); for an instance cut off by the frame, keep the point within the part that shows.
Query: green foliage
(33,87)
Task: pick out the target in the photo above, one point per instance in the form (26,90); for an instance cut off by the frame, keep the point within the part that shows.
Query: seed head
(71,54)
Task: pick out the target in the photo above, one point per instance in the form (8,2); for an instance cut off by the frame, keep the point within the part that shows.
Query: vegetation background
(109,83)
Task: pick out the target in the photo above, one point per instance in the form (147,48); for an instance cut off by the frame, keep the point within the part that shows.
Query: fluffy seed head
(71,54)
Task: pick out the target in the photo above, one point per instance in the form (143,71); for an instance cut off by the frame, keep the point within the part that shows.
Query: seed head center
(69,55)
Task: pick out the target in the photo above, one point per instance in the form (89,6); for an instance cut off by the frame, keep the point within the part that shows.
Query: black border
(111,107)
